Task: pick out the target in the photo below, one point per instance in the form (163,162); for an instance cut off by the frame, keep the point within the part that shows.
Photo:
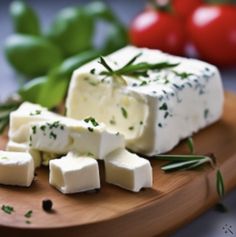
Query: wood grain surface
(174,200)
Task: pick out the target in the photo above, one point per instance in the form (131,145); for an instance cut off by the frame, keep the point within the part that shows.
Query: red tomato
(184,8)
(212,29)
(158,30)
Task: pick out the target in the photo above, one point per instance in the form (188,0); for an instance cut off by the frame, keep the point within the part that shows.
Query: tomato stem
(220,1)
(160,5)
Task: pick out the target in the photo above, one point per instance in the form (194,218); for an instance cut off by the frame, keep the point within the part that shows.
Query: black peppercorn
(47,205)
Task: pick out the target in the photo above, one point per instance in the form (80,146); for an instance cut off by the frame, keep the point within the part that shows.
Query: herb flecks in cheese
(163,107)
(36,112)
(182,75)
(124,112)
(4,158)
(58,138)
(92,121)
(162,101)
(206,113)
(90,129)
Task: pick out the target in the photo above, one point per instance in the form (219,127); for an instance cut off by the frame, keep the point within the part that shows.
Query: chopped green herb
(160,125)
(55,124)
(112,121)
(90,154)
(166,115)
(93,82)
(166,81)
(34,128)
(124,112)
(28,214)
(53,135)
(92,71)
(7,209)
(4,158)
(90,129)
(92,120)
(43,127)
(28,222)
(206,113)
(141,122)
(143,83)
(182,75)
(176,86)
(131,128)
(30,139)
(163,107)
(36,112)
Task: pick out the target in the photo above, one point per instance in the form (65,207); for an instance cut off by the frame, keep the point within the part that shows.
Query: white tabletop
(210,224)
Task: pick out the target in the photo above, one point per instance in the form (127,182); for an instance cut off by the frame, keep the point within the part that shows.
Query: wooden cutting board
(174,200)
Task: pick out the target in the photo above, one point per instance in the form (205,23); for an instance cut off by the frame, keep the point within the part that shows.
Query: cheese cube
(153,112)
(128,170)
(70,135)
(16,168)
(23,117)
(22,147)
(72,173)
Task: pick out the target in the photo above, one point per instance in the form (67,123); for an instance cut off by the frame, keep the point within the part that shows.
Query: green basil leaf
(25,19)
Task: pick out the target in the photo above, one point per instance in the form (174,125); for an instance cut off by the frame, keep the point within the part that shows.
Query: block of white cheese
(84,137)
(22,147)
(16,168)
(73,173)
(154,111)
(127,170)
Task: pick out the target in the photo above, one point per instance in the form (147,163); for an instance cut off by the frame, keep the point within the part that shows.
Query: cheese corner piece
(128,170)
(16,168)
(22,147)
(153,112)
(72,173)
(85,138)
(21,119)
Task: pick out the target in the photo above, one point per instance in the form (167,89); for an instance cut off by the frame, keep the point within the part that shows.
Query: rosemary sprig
(184,162)
(220,184)
(190,144)
(189,162)
(134,70)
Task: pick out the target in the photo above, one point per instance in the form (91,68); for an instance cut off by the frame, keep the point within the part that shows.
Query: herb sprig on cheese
(133,69)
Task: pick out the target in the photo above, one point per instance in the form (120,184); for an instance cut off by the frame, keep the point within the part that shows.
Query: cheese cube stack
(73,173)
(20,124)
(68,135)
(155,112)
(23,117)
(127,170)
(16,168)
